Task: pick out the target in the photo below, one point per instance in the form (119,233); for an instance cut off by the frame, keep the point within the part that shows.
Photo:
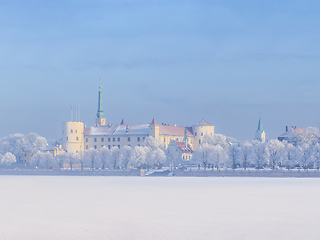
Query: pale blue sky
(177,61)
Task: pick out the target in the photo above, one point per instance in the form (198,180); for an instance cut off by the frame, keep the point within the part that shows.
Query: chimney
(286,128)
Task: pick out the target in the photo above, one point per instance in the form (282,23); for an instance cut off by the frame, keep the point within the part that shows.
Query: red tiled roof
(182,147)
(153,122)
(203,123)
(173,130)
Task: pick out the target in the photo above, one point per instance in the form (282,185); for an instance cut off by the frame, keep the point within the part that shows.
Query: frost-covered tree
(70,159)
(15,144)
(103,156)
(275,149)
(290,158)
(37,159)
(203,154)
(60,159)
(153,143)
(47,159)
(138,156)
(124,156)
(8,158)
(113,157)
(234,156)
(246,150)
(220,157)
(90,156)
(216,139)
(316,155)
(36,142)
(305,155)
(155,157)
(80,157)
(260,154)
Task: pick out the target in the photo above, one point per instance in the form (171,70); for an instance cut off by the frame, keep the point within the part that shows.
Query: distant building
(74,138)
(54,149)
(260,134)
(290,134)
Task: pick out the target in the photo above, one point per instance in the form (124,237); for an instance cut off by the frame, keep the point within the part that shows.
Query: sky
(227,62)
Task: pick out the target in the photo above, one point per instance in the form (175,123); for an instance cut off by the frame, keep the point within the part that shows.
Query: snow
(158,208)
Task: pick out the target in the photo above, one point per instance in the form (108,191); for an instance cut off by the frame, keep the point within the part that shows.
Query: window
(76,151)
(138,139)
(95,146)
(86,139)
(138,145)
(164,140)
(195,133)
(102,146)
(144,138)
(71,130)
(109,147)
(67,138)
(119,146)
(95,139)
(129,145)
(118,139)
(77,139)
(86,146)
(109,139)
(199,141)
(114,139)
(177,139)
(128,139)
(183,157)
(201,134)
(76,130)
(102,139)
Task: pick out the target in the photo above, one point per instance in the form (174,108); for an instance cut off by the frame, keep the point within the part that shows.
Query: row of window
(67,139)
(113,139)
(109,146)
(71,131)
(186,157)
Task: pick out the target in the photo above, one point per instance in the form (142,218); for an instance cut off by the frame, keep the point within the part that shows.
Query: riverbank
(297,173)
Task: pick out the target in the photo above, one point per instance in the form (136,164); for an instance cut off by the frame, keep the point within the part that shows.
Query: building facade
(75,138)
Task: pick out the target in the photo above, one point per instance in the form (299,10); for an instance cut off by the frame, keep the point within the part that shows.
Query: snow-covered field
(44,207)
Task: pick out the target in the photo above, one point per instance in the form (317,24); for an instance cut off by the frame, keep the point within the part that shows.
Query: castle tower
(100,120)
(72,136)
(199,130)
(260,134)
(154,129)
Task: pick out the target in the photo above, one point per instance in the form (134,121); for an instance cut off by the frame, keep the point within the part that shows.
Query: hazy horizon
(176,61)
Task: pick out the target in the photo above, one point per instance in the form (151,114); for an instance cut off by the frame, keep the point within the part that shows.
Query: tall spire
(100,113)
(260,134)
(100,120)
(260,128)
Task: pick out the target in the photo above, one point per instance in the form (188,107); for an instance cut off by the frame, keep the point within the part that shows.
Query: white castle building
(75,138)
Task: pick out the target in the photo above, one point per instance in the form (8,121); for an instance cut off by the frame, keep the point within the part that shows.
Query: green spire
(100,113)
(185,138)
(260,128)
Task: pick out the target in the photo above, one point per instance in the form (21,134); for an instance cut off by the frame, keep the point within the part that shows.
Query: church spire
(260,134)
(100,120)
(260,128)
(100,113)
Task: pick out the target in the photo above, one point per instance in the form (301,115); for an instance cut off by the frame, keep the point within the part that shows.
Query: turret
(199,130)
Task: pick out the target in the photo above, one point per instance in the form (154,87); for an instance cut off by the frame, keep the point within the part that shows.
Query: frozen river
(41,207)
